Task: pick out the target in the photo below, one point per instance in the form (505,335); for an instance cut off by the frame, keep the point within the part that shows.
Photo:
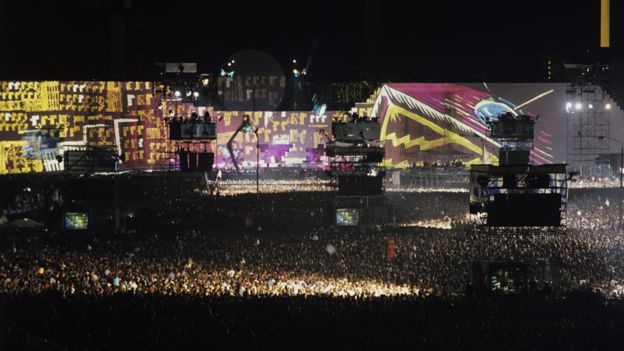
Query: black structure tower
(515,198)
(194,136)
(515,193)
(515,134)
(355,156)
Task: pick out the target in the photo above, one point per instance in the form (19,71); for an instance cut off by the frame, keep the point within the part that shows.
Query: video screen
(507,280)
(347,216)
(76,220)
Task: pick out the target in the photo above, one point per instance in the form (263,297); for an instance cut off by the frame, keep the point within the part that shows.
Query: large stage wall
(421,123)
(38,120)
(443,122)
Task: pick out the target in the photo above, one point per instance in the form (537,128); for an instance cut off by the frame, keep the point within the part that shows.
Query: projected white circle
(249,80)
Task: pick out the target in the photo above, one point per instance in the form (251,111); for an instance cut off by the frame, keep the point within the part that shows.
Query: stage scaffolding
(588,117)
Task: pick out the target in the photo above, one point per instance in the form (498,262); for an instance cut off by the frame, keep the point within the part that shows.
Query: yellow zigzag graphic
(449,137)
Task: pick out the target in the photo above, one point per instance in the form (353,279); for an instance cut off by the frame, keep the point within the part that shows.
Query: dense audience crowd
(220,265)
(287,244)
(595,182)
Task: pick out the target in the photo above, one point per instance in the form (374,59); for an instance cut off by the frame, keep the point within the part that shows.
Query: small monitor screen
(347,216)
(506,281)
(76,220)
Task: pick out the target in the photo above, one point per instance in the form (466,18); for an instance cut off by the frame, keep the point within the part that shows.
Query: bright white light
(568,105)
(608,106)
(229,64)
(196,94)
(188,93)
(590,106)
(322,109)
(578,106)
(205,81)
(178,93)
(294,61)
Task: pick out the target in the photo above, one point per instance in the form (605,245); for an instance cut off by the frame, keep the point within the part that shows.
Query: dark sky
(431,41)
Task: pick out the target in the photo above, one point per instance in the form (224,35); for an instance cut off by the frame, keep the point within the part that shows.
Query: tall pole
(621,170)
(253,103)
(258,166)
(621,174)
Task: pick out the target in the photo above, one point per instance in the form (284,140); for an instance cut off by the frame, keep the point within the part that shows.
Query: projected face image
(347,216)
(76,221)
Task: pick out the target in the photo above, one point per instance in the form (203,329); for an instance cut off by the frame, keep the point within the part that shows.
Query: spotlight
(578,106)
(188,93)
(590,106)
(322,109)
(568,106)
(608,106)
(196,94)
(294,61)
(229,64)
(177,93)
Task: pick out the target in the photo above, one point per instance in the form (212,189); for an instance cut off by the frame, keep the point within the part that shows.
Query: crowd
(270,186)
(594,182)
(22,195)
(229,262)
(285,243)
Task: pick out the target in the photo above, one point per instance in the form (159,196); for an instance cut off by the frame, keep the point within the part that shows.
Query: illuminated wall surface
(421,122)
(443,122)
(287,138)
(38,120)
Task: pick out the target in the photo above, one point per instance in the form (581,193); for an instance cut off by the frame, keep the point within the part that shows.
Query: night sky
(427,41)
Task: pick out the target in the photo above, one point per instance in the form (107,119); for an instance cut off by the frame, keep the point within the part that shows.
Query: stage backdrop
(39,120)
(446,122)
(421,122)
